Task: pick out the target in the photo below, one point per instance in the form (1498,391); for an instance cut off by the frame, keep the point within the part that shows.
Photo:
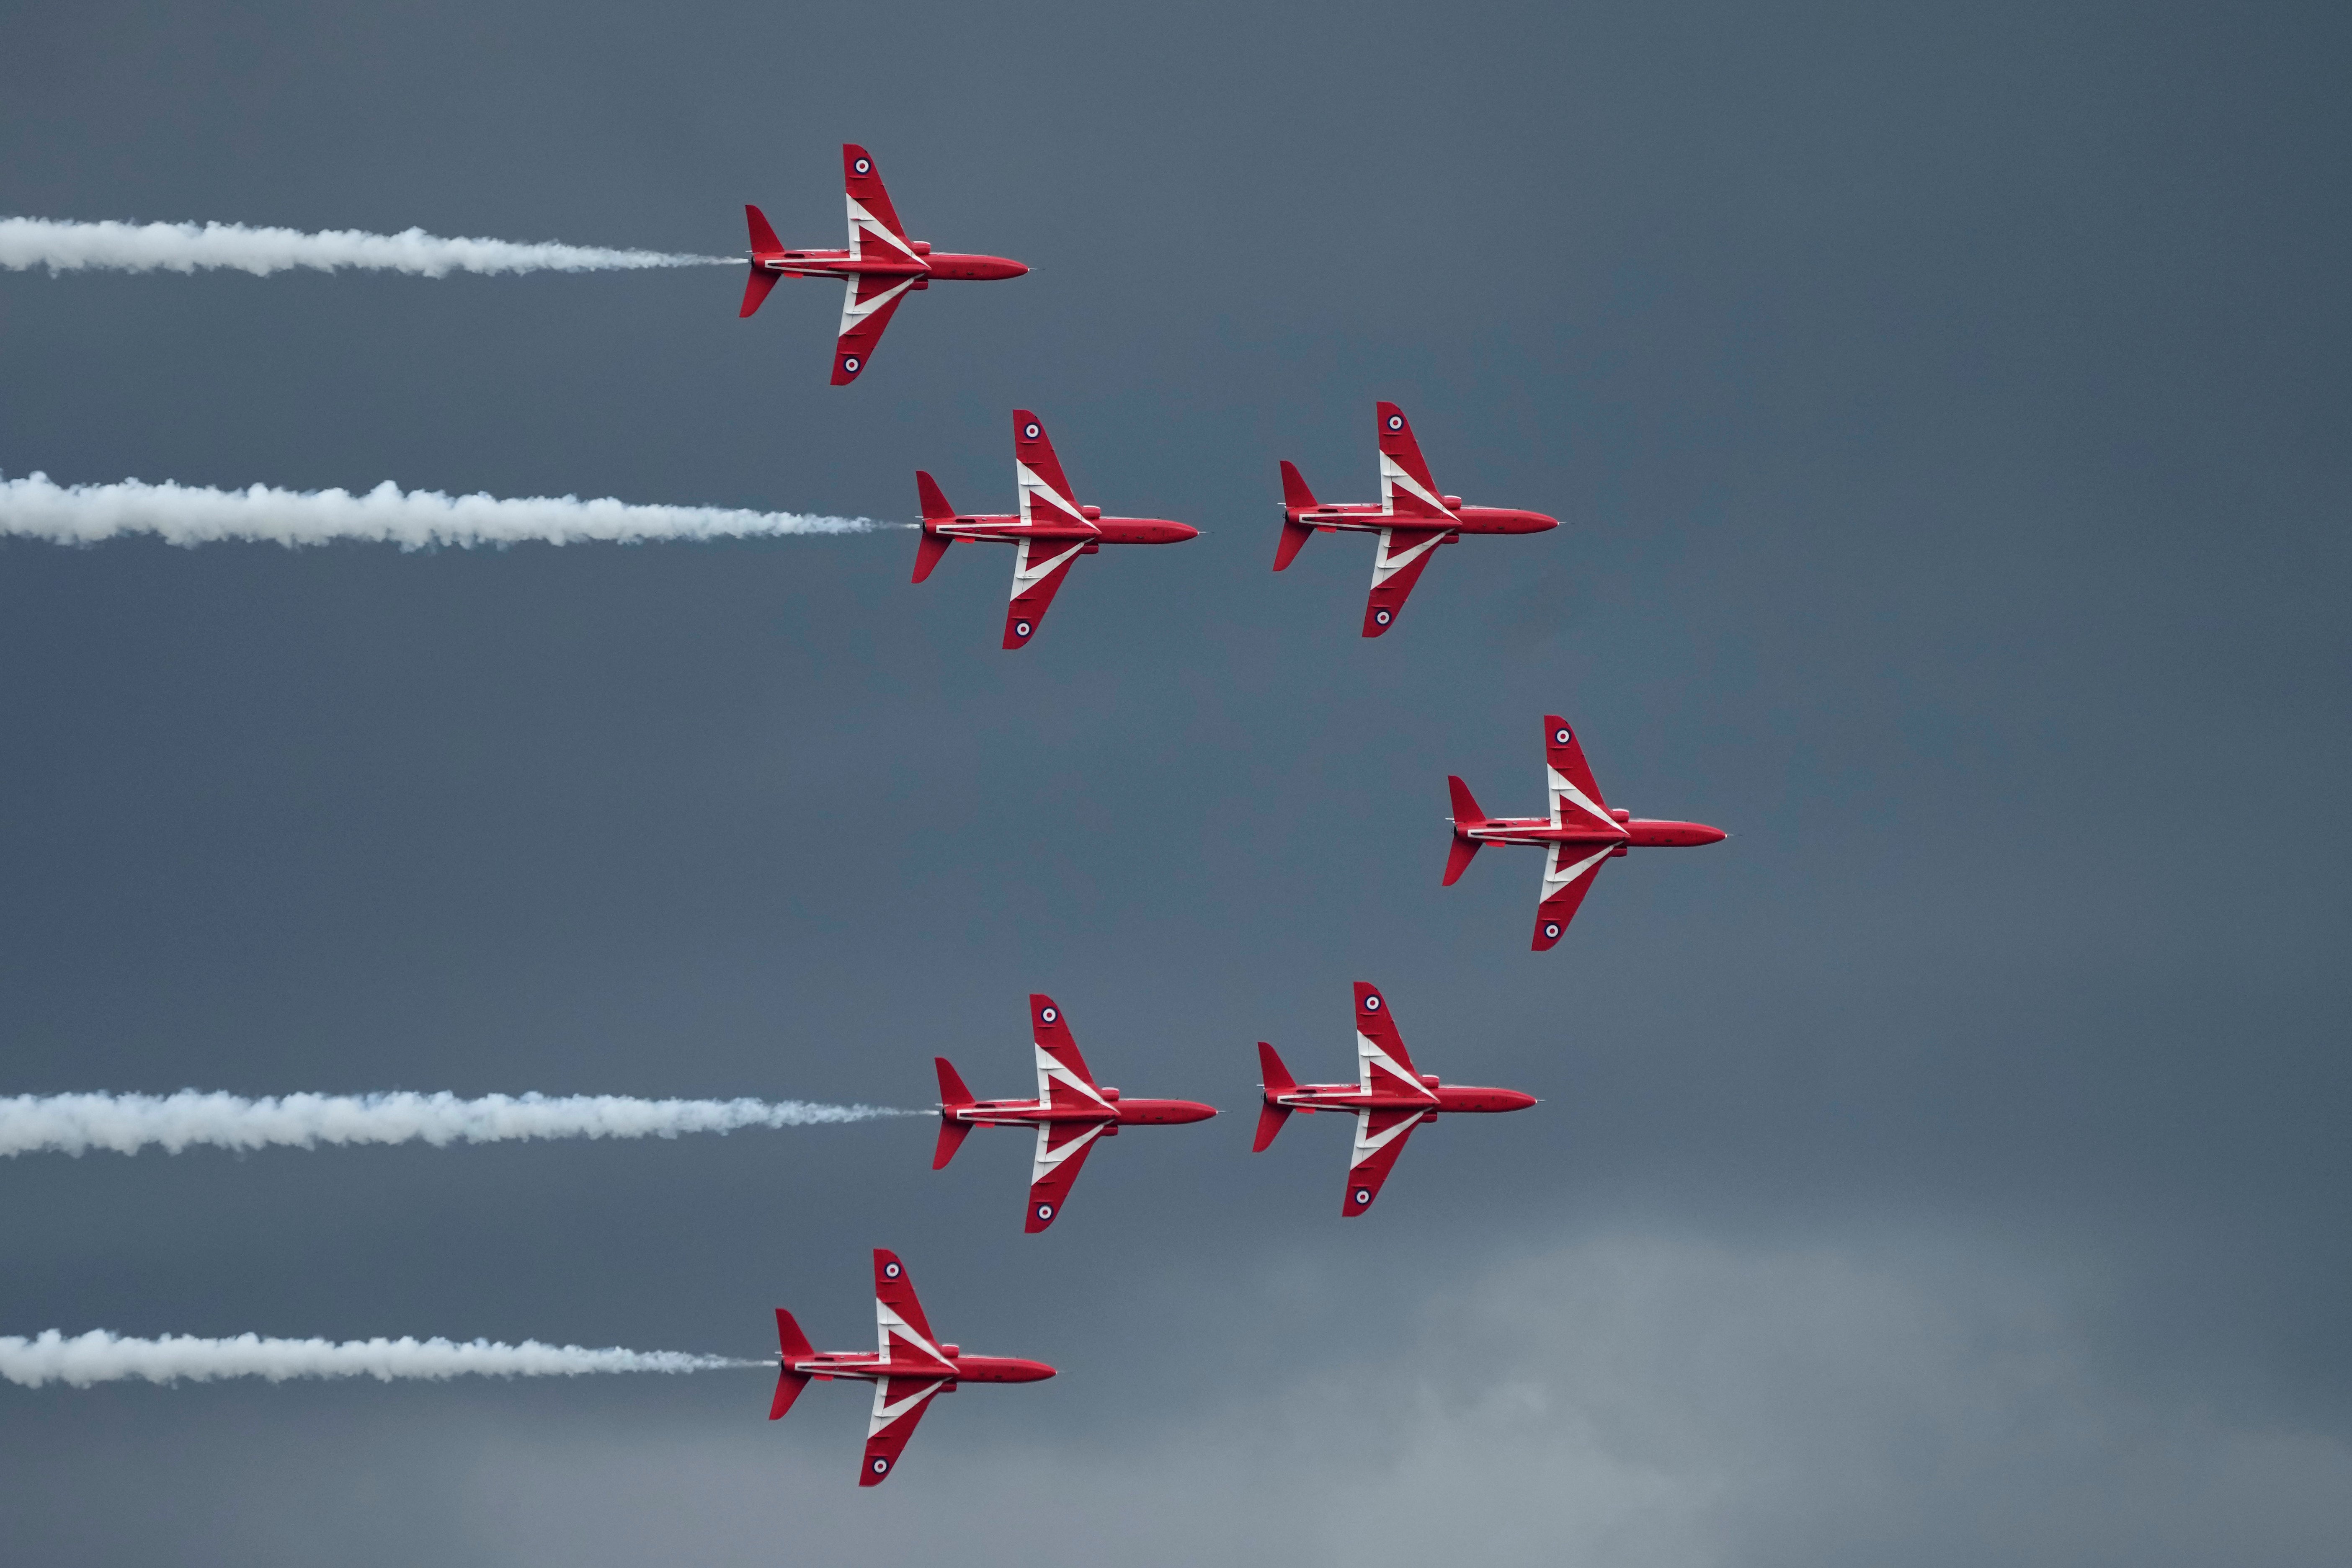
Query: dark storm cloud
(1948,417)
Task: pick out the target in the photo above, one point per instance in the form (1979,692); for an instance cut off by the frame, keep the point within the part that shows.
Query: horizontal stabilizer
(1466,806)
(934,500)
(789,1385)
(1294,536)
(1270,1119)
(1276,1077)
(1458,859)
(756,289)
(1295,496)
(951,1137)
(763,238)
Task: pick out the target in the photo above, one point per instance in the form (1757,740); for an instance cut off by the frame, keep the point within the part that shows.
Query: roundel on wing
(1396,421)
(1372,1003)
(1049,1015)
(1031,431)
(891,1271)
(1044,1211)
(1021,628)
(1363,1194)
(1551,929)
(849,363)
(1560,737)
(865,165)
(1381,617)
(881,1466)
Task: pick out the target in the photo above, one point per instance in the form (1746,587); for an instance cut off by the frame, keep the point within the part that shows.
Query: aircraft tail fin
(763,238)
(1277,1080)
(953,1097)
(795,1347)
(936,509)
(1465,815)
(1295,497)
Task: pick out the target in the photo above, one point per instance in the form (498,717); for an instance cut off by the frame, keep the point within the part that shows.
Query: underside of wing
(1037,573)
(1062,1151)
(1379,1139)
(898,1406)
(1396,567)
(1569,871)
(871,301)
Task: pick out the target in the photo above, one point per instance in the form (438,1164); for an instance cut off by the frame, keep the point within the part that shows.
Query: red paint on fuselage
(945,265)
(1131,1113)
(1009,528)
(1364,518)
(868,1366)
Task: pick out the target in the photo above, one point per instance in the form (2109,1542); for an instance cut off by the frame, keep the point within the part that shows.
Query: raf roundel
(1372,1003)
(1560,737)
(1396,421)
(865,165)
(891,1271)
(881,1466)
(1044,1211)
(1381,617)
(1049,1015)
(1030,431)
(1021,628)
(850,364)
(1363,1194)
(1551,930)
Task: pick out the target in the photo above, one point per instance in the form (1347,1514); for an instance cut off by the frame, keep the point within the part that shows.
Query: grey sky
(1948,417)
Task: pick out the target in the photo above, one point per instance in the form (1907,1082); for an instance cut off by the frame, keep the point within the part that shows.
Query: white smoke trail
(69,246)
(126,1123)
(99,1356)
(36,508)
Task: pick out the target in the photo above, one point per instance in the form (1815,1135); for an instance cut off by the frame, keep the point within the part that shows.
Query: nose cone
(1001,266)
(1513,1099)
(1189,1110)
(1707,835)
(1537,522)
(1177,532)
(1019,1370)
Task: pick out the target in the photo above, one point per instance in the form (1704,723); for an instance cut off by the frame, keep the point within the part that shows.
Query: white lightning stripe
(1393,475)
(1050,1159)
(1028,572)
(862,223)
(1050,1071)
(886,1411)
(852,312)
(1367,1145)
(1032,487)
(1558,874)
(1559,785)
(1387,564)
(1368,1052)
(886,1321)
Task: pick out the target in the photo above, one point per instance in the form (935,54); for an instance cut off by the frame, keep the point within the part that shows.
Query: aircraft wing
(1569,871)
(1037,573)
(868,307)
(1062,1150)
(898,1405)
(1379,1139)
(1396,567)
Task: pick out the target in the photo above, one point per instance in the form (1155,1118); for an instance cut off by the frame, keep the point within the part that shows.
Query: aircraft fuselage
(1368,518)
(1029,1112)
(1632,832)
(945,265)
(869,1366)
(1008,529)
(1348,1097)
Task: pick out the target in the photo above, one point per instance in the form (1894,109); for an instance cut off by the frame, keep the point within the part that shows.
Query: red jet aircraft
(1069,1112)
(1581,833)
(913,1366)
(1388,1097)
(880,265)
(1411,518)
(1051,530)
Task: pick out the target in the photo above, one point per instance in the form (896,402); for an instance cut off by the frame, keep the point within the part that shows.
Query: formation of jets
(1049,530)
